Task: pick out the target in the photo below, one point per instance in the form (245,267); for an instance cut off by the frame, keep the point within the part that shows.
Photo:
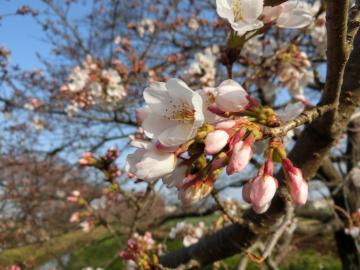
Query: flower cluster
(93,84)
(251,15)
(142,250)
(204,67)
(76,198)
(103,163)
(95,211)
(198,134)
(188,232)
(294,71)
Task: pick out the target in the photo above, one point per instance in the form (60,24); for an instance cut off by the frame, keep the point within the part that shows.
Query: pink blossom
(240,157)
(215,141)
(296,183)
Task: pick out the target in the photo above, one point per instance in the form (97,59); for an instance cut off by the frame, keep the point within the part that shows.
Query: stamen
(236,7)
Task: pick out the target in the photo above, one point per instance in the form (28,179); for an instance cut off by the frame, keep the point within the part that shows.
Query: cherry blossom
(148,163)
(291,14)
(243,15)
(176,112)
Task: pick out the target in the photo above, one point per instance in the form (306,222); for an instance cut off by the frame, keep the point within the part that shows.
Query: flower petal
(155,124)
(224,9)
(251,9)
(177,135)
(241,27)
(156,97)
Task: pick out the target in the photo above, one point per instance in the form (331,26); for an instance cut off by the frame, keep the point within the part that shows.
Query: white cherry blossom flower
(148,163)
(145,26)
(78,79)
(291,14)
(193,24)
(243,15)
(176,112)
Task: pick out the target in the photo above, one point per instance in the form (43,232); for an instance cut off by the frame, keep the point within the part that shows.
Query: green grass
(100,254)
(38,254)
(99,249)
(313,260)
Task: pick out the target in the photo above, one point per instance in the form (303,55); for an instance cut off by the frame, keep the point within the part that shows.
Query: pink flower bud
(225,124)
(240,157)
(215,141)
(296,183)
(261,209)
(262,191)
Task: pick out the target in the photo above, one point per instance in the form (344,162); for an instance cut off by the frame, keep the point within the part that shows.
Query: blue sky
(21,34)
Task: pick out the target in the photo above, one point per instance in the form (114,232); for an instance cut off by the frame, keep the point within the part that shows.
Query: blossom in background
(91,84)
(193,24)
(108,88)
(78,79)
(204,66)
(291,111)
(294,71)
(32,104)
(188,232)
(318,34)
(176,112)
(145,26)
(148,163)
(142,251)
